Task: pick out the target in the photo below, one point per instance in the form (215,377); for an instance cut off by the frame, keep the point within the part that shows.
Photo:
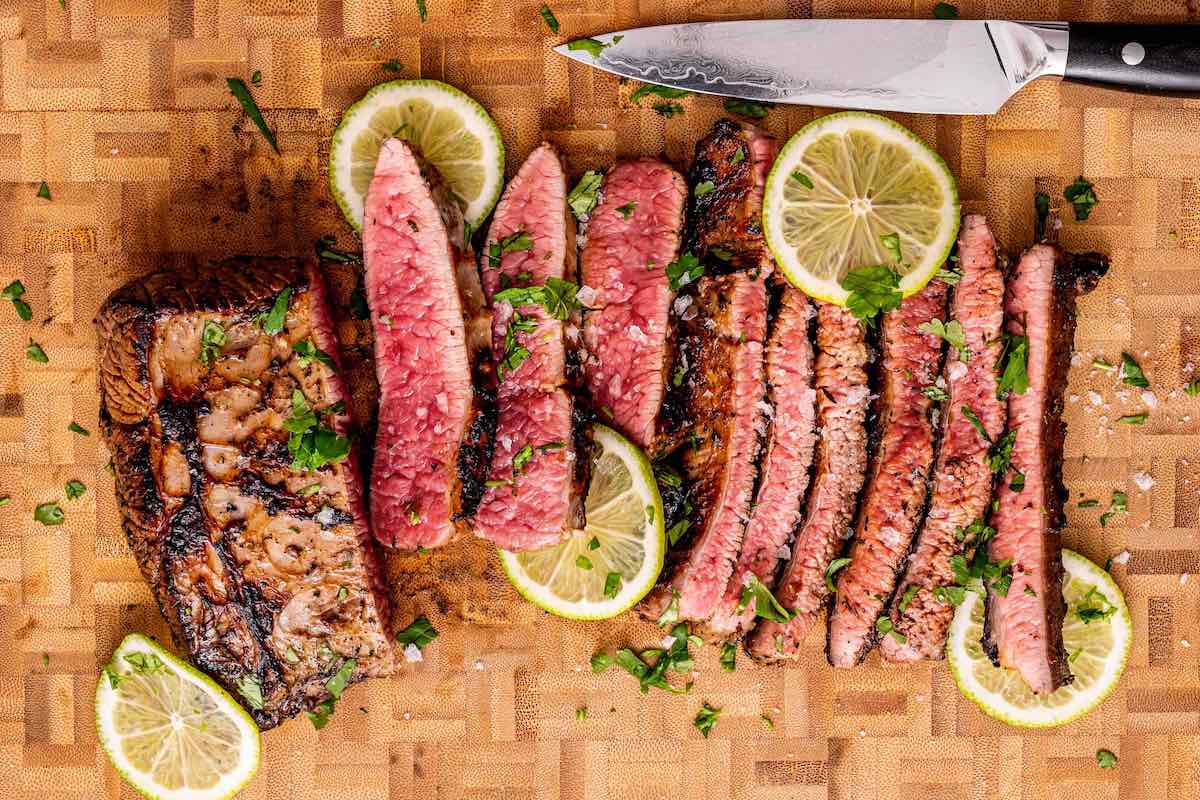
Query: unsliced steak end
(537,499)
(724,347)
(783,483)
(839,468)
(632,235)
(264,570)
(1024,625)
(412,246)
(894,499)
(962,482)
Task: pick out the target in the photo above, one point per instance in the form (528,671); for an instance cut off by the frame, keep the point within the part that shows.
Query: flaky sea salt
(1121,557)
(412,654)
(1143,480)
(586,295)
(1094,398)
(1149,399)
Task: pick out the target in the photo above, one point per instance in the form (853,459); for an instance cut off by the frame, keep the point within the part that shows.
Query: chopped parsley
(319,716)
(514,352)
(601,661)
(1083,197)
(703,188)
(627,210)
(665,92)
(144,663)
(422,11)
(582,199)
(75,427)
(557,296)
(747,108)
(667,110)
(684,270)
(1088,503)
(765,604)
(1094,606)
(34,352)
(676,531)
(872,290)
(951,332)
(393,66)
(256,77)
(1131,373)
(43,191)
(1106,759)
(74,489)
(593,47)
(935,393)
(676,659)
(306,352)
(945,11)
(420,632)
(273,321)
(891,243)
(612,584)
(583,562)
(515,242)
(706,718)
(1041,206)
(1119,504)
(548,16)
(908,596)
(834,567)
(250,688)
(738,156)
(581,714)
(976,423)
(1014,370)
(49,514)
(325,249)
(728,657)
(241,93)
(670,614)
(802,179)
(212,339)
(14,292)
(949,276)
(1134,419)
(884,626)
(311,445)
(1192,389)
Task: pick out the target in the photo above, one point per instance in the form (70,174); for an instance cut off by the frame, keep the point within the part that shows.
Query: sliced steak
(252,536)
(962,479)
(840,465)
(1024,625)
(717,411)
(791,439)
(534,496)
(425,303)
(897,488)
(632,235)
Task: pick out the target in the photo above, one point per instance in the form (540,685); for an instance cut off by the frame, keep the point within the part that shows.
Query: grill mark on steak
(894,499)
(632,235)
(962,483)
(840,465)
(425,304)
(790,442)
(214,514)
(537,503)
(1024,630)
(717,411)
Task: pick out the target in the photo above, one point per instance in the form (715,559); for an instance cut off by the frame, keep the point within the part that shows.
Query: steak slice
(426,312)
(258,553)
(717,411)
(632,235)
(536,484)
(1023,628)
(896,491)
(962,478)
(841,462)
(791,439)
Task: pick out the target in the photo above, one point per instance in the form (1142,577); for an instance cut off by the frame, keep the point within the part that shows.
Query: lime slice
(170,731)
(624,536)
(451,130)
(842,183)
(1097,652)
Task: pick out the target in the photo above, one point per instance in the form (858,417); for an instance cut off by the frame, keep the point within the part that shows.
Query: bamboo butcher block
(121,106)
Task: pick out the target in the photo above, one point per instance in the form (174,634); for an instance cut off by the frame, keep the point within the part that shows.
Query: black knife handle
(1158,59)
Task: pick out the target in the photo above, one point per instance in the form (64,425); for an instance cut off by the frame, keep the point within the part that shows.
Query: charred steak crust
(787,459)
(894,499)
(537,480)
(1023,629)
(839,469)
(715,411)
(962,480)
(426,311)
(214,513)
(632,235)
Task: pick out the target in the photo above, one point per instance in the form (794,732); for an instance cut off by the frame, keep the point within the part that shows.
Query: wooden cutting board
(121,106)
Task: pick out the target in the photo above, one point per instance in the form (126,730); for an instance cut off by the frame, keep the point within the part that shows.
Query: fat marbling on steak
(426,311)
(838,471)
(716,412)
(632,235)
(222,405)
(894,499)
(962,475)
(1023,629)
(536,485)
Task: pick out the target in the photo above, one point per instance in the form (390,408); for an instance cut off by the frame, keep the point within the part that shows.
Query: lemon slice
(451,130)
(624,538)
(842,183)
(1096,652)
(170,731)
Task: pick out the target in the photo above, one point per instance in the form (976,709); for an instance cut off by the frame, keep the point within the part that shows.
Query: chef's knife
(930,66)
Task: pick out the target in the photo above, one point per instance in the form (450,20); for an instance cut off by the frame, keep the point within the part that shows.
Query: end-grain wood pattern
(121,107)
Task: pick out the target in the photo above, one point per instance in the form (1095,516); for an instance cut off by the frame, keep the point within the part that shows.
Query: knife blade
(925,66)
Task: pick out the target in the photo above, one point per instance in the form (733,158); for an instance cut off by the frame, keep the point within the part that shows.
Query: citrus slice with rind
(451,131)
(624,536)
(843,183)
(169,730)
(1096,651)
